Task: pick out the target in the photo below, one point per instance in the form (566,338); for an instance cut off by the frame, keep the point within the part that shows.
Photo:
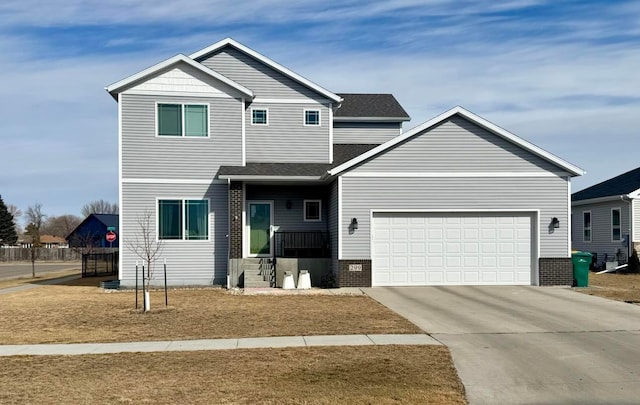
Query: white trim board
(171,181)
(176,94)
(453,174)
(573,170)
(272,64)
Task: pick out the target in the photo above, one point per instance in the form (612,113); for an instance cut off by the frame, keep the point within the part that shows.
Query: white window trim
(157,128)
(618,226)
(184,220)
(304,117)
(590,227)
(266,124)
(304,215)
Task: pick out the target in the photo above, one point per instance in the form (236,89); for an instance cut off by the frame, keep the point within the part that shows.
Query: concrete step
(250,283)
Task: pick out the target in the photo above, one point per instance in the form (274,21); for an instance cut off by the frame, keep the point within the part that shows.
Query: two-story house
(248,169)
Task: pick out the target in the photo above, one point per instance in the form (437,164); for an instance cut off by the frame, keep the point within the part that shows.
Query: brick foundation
(235,220)
(354,273)
(555,271)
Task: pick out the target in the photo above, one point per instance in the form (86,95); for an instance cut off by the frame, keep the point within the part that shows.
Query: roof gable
(124,84)
(370,107)
(106,220)
(562,164)
(625,183)
(201,54)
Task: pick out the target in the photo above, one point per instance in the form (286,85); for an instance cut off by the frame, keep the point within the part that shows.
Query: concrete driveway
(529,344)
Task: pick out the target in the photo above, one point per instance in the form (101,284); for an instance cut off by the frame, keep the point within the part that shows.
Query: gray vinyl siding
(260,78)
(286,138)
(291,219)
(145,155)
(188,262)
(457,145)
(636,221)
(333,224)
(365,132)
(601,242)
(361,195)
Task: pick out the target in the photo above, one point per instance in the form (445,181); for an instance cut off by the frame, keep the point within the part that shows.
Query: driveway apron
(529,345)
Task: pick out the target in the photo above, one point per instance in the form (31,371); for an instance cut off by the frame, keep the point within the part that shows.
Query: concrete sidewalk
(215,344)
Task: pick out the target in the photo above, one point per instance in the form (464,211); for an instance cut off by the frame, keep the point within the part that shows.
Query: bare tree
(146,247)
(61,225)
(36,219)
(99,207)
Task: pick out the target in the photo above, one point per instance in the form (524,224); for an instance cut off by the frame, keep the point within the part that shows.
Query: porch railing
(302,244)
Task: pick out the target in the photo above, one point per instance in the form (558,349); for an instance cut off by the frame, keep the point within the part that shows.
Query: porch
(276,228)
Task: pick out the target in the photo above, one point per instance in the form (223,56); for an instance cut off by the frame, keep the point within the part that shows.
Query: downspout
(629,200)
(228,234)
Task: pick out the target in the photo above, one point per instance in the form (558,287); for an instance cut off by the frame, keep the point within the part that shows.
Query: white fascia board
(371,119)
(599,200)
(573,170)
(248,177)
(118,87)
(268,62)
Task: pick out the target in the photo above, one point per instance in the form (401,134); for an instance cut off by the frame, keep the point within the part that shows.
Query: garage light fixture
(555,222)
(354,223)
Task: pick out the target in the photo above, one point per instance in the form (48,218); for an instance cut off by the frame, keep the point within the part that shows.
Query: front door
(260,215)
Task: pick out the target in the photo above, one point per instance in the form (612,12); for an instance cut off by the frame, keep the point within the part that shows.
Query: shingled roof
(380,106)
(341,153)
(623,184)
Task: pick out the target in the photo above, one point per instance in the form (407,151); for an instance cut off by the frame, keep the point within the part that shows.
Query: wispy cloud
(561,74)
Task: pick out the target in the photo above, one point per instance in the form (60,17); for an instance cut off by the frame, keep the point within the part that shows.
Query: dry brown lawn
(320,375)
(75,313)
(621,287)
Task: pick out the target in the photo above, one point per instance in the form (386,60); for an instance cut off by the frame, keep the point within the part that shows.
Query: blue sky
(561,74)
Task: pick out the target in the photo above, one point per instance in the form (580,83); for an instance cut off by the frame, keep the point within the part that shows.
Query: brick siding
(361,278)
(555,271)
(235,220)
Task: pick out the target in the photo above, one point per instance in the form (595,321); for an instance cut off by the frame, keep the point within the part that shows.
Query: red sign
(111,236)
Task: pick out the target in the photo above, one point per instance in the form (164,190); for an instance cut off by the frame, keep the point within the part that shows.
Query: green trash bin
(581,262)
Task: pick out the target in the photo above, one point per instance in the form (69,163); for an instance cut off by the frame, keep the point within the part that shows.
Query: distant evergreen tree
(8,235)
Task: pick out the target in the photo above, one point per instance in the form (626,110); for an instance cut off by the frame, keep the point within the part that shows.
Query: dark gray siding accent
(291,219)
(365,132)
(601,242)
(260,78)
(457,145)
(144,155)
(333,224)
(188,262)
(286,138)
(361,196)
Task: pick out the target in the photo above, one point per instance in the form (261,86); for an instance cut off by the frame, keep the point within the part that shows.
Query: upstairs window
(312,211)
(615,225)
(183,219)
(586,226)
(259,116)
(312,117)
(183,120)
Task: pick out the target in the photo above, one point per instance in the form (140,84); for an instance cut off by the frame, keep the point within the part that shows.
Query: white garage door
(451,249)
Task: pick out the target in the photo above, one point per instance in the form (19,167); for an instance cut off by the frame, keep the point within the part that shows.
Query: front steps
(257,272)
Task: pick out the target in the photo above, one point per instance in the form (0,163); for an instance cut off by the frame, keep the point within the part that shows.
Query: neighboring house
(248,169)
(46,241)
(606,218)
(93,230)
